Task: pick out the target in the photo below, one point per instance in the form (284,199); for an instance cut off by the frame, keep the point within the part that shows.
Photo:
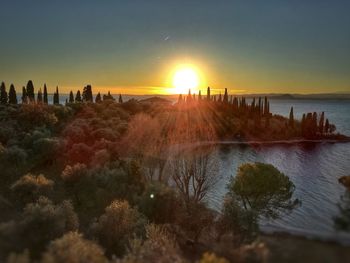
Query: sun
(185,78)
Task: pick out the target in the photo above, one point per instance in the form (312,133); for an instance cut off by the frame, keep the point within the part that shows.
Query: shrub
(39,223)
(159,203)
(73,248)
(117,225)
(29,187)
(159,246)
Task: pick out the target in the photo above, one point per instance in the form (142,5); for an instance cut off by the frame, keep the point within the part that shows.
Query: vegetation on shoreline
(109,182)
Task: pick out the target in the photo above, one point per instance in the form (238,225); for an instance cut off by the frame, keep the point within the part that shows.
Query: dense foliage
(120,181)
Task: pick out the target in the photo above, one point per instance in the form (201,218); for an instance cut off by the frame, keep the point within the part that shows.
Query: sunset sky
(134,46)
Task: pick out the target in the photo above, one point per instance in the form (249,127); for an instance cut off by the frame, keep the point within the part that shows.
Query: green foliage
(73,248)
(258,190)
(263,189)
(12,95)
(29,187)
(3,94)
(93,189)
(45,98)
(159,203)
(117,226)
(87,94)
(39,223)
(30,91)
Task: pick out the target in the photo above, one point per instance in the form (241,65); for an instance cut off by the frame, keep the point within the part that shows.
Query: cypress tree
(180,99)
(225,100)
(303,122)
(291,118)
(24,96)
(46,101)
(326,126)
(12,95)
(189,96)
(208,94)
(252,106)
(56,97)
(199,96)
(30,91)
(71,97)
(220,99)
(265,107)
(40,96)
(3,94)
(78,96)
(120,99)
(260,106)
(321,123)
(87,94)
(314,123)
(98,98)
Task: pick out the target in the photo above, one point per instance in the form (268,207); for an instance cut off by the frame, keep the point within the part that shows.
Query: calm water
(313,168)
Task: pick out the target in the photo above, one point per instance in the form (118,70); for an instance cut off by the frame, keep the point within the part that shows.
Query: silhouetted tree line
(260,107)
(313,125)
(28,95)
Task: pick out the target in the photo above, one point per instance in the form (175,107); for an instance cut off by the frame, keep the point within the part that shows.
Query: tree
(179,101)
(262,189)
(303,123)
(110,97)
(321,123)
(40,222)
(117,226)
(195,173)
(56,97)
(3,94)
(266,107)
(46,101)
(120,100)
(199,96)
(326,126)
(291,118)
(12,95)
(71,97)
(98,98)
(78,96)
(24,96)
(29,187)
(258,190)
(208,94)
(72,247)
(225,100)
(30,91)
(40,96)
(87,94)
(220,99)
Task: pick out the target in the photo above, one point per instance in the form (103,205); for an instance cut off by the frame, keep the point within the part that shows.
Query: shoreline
(266,142)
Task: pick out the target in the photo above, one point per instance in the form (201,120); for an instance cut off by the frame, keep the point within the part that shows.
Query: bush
(159,246)
(117,226)
(73,248)
(159,203)
(39,223)
(29,187)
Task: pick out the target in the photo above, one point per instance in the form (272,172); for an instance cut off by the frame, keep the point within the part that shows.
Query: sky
(130,46)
